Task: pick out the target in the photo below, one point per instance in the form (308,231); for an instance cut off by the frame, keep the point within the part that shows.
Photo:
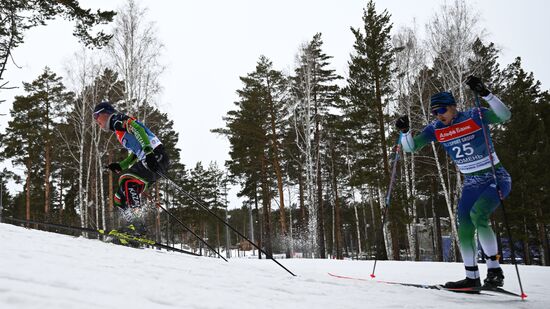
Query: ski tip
(372,276)
(523,296)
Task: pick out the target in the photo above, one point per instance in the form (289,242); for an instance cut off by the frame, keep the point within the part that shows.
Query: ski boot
(463,284)
(131,235)
(133,221)
(135,229)
(495,278)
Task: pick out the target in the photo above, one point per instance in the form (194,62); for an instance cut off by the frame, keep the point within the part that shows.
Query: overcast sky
(209,44)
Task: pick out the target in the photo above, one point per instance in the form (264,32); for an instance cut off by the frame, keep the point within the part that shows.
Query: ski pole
(388,195)
(184,226)
(177,187)
(500,196)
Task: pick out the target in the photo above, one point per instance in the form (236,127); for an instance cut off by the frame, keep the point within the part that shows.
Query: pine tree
(248,130)
(6,203)
(18,16)
(367,92)
(522,146)
(31,145)
(21,142)
(49,95)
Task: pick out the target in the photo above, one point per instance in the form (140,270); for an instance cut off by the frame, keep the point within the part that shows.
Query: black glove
(151,162)
(477,86)
(402,124)
(114,167)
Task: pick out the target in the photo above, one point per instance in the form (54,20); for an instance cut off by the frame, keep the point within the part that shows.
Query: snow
(46,270)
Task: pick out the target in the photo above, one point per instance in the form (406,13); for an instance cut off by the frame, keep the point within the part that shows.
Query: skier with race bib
(146,159)
(462,136)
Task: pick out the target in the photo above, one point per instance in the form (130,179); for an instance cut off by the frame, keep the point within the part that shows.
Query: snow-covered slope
(47,270)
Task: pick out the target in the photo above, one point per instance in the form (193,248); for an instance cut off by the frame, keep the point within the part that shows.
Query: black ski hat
(103,107)
(442,99)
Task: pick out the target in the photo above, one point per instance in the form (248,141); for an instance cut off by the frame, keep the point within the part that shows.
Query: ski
(473,290)
(129,239)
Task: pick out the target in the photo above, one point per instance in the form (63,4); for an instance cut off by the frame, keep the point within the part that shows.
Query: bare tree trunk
(276,166)
(321,214)
(95,190)
(28,190)
(377,241)
(338,222)
(357,223)
(47,176)
(447,195)
(111,205)
(87,184)
(266,201)
(544,247)
(365,225)
(411,209)
(99,170)
(218,237)
(290,224)
(158,212)
(319,182)
(303,222)
(47,156)
(259,220)
(61,204)
(357,228)
(81,202)
(333,251)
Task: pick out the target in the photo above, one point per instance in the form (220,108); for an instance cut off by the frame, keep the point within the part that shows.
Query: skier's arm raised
(498,112)
(410,143)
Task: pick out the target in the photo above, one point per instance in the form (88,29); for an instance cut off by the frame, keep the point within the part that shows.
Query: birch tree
(409,61)
(314,91)
(81,74)
(302,117)
(85,143)
(135,53)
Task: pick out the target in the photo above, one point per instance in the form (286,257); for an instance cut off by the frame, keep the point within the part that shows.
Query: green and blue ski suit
(464,141)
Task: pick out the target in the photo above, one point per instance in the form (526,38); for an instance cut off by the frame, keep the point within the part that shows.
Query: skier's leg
(488,201)
(119,199)
(466,233)
(130,188)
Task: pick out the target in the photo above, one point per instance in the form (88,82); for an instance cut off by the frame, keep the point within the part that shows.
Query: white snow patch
(47,270)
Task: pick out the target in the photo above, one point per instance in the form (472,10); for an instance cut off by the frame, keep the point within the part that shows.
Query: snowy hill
(47,270)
